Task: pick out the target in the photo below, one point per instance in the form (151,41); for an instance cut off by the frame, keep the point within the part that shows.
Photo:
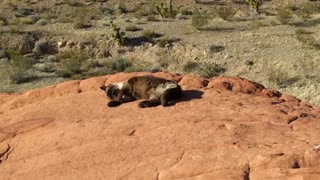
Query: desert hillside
(223,128)
(50,41)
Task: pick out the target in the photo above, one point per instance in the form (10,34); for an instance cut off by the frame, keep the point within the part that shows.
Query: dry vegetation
(272,42)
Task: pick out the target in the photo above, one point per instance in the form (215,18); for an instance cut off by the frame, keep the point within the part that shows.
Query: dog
(156,90)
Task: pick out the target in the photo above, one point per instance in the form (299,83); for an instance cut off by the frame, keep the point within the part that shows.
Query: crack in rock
(4,153)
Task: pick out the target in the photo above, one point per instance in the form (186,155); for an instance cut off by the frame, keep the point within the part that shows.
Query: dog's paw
(144,104)
(113,103)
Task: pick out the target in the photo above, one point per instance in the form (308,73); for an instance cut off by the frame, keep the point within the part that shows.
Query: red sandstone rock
(230,128)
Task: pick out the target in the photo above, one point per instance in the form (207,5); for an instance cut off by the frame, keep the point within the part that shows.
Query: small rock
(3,54)
(249,63)
(62,44)
(52,58)
(71,43)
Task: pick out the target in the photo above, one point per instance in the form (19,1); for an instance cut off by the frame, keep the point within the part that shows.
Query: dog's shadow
(188,95)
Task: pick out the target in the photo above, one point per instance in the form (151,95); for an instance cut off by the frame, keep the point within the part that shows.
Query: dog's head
(112,92)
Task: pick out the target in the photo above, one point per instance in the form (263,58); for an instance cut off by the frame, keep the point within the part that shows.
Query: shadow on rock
(188,95)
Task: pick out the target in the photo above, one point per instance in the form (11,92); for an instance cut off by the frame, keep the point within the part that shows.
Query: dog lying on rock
(156,90)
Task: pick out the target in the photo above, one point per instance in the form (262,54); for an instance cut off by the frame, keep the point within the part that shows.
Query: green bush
(18,68)
(255,5)
(3,20)
(306,39)
(199,20)
(149,34)
(190,66)
(72,63)
(22,12)
(305,11)
(284,16)
(225,12)
(118,35)
(118,65)
(209,69)
(132,28)
(120,8)
(281,78)
(163,42)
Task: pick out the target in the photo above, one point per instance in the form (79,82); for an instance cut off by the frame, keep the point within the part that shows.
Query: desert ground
(249,70)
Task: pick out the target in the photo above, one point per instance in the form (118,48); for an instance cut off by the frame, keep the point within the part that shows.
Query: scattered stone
(52,58)
(249,63)
(214,49)
(42,22)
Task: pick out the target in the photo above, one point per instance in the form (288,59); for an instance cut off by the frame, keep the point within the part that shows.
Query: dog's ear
(103,87)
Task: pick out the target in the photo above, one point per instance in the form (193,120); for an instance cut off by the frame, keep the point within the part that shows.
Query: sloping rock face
(223,128)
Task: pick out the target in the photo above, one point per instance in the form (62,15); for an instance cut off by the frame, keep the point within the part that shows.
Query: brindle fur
(156,90)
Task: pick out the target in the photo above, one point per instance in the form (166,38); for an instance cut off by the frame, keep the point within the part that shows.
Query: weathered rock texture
(224,128)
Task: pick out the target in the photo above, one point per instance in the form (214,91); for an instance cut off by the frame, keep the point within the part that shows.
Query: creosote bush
(199,20)
(132,28)
(3,20)
(190,66)
(209,69)
(284,16)
(306,11)
(18,68)
(306,39)
(282,79)
(225,12)
(72,63)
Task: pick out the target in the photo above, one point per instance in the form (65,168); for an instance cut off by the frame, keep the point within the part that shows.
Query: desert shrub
(120,8)
(190,66)
(306,39)
(166,11)
(72,3)
(199,20)
(292,7)
(18,68)
(281,78)
(119,64)
(185,12)
(225,12)
(239,1)
(42,22)
(255,5)
(45,67)
(132,28)
(25,20)
(106,11)
(22,12)
(284,16)
(118,35)
(302,31)
(213,48)
(305,11)
(72,63)
(150,34)
(3,20)
(209,69)
(83,19)
(151,18)
(81,24)
(163,42)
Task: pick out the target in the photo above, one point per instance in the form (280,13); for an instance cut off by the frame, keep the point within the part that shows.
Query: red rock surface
(224,128)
